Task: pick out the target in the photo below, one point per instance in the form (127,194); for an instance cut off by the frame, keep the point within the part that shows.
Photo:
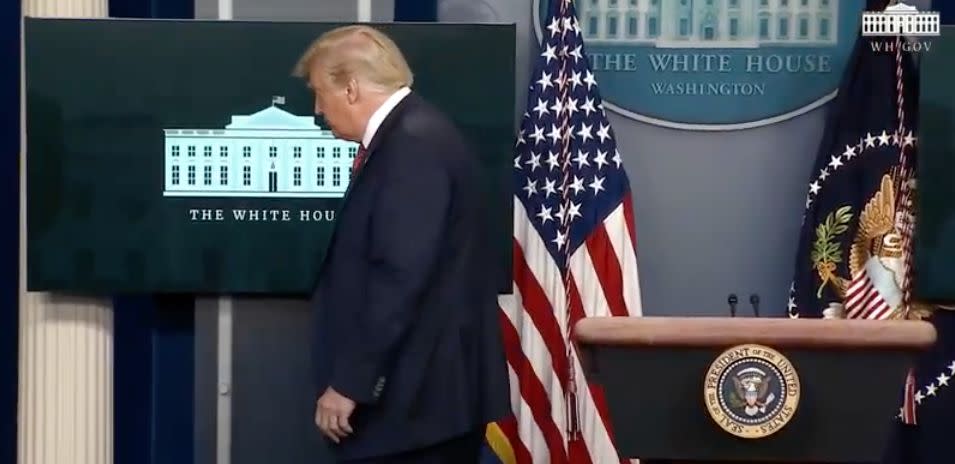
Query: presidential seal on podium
(751,391)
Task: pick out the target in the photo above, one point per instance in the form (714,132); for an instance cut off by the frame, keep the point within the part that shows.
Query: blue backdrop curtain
(10,230)
(946,9)
(154,349)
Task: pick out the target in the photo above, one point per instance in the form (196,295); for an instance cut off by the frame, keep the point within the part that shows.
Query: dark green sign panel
(935,230)
(168,156)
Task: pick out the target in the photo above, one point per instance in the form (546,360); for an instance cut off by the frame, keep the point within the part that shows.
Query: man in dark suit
(409,361)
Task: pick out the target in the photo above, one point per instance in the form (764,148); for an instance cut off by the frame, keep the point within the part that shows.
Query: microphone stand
(754,300)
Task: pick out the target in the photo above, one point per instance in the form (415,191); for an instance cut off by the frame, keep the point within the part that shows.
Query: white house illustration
(901,19)
(271,153)
(710,23)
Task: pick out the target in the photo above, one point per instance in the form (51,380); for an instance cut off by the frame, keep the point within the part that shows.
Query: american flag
(574,256)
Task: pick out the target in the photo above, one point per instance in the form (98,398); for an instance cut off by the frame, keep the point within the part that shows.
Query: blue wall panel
(416,10)
(946,9)
(133,379)
(154,378)
(173,380)
(154,348)
(10,228)
(166,9)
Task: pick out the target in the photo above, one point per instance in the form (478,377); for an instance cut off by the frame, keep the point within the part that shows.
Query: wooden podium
(750,389)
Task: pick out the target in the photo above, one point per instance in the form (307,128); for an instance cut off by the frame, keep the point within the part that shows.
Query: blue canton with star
(568,173)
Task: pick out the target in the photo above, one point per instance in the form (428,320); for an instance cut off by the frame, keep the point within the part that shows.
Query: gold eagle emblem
(876,252)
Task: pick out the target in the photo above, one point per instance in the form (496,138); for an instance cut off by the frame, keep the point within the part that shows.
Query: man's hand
(332,411)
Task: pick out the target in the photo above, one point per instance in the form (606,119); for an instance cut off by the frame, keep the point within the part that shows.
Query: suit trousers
(465,449)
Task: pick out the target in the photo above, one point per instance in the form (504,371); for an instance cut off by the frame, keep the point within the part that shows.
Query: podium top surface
(780,332)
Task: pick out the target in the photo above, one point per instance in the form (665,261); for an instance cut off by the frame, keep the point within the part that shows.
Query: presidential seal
(751,391)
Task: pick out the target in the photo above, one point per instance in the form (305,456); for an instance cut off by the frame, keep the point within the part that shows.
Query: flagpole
(903,175)
(224,305)
(573,429)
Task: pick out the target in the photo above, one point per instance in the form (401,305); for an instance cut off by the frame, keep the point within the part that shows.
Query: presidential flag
(855,249)
(574,256)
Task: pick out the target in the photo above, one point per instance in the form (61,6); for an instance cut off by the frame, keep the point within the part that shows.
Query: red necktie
(359,160)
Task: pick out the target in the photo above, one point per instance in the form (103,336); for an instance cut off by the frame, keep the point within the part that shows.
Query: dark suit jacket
(406,315)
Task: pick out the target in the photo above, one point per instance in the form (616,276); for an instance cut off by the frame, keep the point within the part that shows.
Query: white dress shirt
(381,113)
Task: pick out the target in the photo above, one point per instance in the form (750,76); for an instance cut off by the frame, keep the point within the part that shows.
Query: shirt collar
(381,113)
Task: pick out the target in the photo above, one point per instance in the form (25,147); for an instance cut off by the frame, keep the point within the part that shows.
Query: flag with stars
(855,246)
(574,256)
(854,257)
(929,440)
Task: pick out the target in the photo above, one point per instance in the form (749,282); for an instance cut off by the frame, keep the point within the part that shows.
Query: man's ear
(352,90)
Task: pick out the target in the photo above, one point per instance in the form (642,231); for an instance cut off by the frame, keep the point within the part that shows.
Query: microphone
(754,300)
(732,300)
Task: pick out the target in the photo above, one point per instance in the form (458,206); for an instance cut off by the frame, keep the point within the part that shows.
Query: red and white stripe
(604,281)
(908,403)
(863,300)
